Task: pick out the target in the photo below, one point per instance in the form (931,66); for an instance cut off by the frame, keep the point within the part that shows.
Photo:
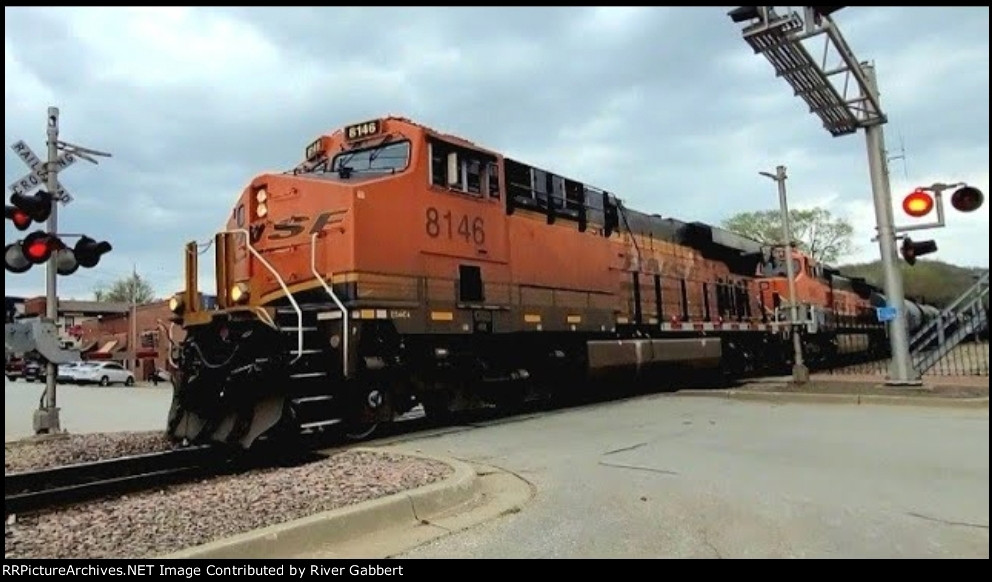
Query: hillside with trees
(828,238)
(928,281)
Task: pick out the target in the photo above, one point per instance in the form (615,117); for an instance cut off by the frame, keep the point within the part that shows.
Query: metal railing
(330,292)
(966,317)
(952,344)
(933,329)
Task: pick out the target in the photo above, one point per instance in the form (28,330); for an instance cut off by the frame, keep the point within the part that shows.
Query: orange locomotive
(398,266)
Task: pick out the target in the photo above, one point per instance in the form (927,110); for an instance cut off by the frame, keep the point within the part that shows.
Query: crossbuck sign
(38,175)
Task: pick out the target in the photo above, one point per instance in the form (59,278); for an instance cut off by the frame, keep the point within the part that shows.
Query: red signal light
(918,204)
(38,247)
(967,199)
(20,218)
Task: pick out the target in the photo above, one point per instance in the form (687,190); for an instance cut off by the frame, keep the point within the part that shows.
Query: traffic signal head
(913,250)
(967,199)
(918,203)
(88,251)
(20,218)
(37,206)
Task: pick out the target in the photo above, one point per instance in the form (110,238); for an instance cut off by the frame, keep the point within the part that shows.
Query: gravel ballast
(158,522)
(30,455)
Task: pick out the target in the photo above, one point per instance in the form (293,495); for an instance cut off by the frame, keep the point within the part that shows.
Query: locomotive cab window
(463,170)
(382,158)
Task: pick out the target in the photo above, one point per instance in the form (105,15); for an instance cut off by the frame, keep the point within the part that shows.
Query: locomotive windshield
(387,158)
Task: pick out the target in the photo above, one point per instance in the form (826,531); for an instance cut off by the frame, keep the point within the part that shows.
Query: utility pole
(844,95)
(800,373)
(133,319)
(902,371)
(46,419)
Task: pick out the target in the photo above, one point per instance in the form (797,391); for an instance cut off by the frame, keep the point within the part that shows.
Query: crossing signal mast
(46,245)
(842,92)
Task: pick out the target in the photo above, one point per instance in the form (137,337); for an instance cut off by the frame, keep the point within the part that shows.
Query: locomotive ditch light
(967,199)
(176,303)
(239,293)
(913,250)
(918,203)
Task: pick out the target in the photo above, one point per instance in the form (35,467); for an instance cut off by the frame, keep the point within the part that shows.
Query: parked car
(34,371)
(14,369)
(67,372)
(102,373)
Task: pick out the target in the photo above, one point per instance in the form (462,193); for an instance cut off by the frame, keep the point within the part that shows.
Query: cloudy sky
(668,107)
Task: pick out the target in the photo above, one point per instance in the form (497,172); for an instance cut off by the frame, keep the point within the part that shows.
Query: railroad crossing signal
(912,250)
(25,209)
(918,204)
(924,200)
(967,199)
(38,175)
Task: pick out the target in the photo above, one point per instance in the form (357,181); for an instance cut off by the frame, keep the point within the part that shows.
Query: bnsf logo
(295,226)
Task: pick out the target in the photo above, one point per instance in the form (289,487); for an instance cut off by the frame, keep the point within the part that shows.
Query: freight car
(398,266)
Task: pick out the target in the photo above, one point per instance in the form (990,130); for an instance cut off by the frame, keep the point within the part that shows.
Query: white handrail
(285,289)
(330,291)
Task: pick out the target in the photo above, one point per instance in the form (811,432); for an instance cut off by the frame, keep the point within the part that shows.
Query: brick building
(104,331)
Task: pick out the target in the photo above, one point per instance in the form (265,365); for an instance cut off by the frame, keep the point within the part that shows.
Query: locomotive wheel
(366,419)
(358,431)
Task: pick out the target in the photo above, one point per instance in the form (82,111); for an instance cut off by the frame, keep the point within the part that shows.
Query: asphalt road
(87,409)
(671,477)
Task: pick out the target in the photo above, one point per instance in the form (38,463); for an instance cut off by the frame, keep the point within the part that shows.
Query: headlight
(176,304)
(261,211)
(261,196)
(239,293)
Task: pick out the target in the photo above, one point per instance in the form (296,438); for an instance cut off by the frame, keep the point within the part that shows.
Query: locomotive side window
(463,170)
(493,180)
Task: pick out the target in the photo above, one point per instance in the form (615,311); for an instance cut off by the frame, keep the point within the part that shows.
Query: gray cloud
(667,107)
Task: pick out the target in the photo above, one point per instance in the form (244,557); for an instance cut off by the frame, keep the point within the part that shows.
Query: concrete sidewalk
(940,391)
(382,527)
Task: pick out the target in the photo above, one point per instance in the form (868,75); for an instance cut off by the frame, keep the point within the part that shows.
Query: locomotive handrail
(285,289)
(330,291)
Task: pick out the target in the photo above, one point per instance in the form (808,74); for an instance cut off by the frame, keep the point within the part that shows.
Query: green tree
(816,231)
(132,288)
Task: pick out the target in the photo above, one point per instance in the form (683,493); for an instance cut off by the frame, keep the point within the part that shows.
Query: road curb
(856,399)
(310,533)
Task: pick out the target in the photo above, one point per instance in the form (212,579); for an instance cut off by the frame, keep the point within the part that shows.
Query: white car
(102,373)
(67,372)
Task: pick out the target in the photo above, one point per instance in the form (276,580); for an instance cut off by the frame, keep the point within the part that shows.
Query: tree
(816,232)
(132,288)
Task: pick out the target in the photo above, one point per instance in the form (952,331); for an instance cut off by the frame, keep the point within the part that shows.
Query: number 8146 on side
(454,225)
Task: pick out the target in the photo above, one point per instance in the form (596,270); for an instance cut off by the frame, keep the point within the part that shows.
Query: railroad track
(34,490)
